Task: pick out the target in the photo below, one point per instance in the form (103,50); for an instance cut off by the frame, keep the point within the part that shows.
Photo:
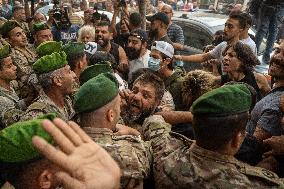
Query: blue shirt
(267,115)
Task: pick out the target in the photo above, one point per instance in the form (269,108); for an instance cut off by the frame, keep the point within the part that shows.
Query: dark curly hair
(195,84)
(244,54)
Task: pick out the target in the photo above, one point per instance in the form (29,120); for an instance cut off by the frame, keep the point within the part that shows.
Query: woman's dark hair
(244,54)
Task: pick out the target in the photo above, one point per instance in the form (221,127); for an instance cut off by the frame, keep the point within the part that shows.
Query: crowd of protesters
(93,101)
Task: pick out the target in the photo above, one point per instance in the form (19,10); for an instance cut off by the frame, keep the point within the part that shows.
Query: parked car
(199,28)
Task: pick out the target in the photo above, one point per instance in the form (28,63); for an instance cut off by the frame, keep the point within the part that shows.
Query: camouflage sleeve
(167,103)
(31,114)
(133,157)
(155,129)
(5,104)
(9,113)
(23,68)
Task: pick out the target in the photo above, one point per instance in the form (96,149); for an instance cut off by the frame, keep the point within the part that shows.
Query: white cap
(164,47)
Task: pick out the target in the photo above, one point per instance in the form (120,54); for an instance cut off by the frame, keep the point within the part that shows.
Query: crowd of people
(91,102)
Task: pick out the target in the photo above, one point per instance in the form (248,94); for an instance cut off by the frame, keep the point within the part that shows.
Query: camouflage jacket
(10,107)
(43,104)
(23,60)
(173,85)
(130,152)
(179,163)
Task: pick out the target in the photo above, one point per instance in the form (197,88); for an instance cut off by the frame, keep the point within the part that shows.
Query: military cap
(225,100)
(40,26)
(50,63)
(7,27)
(5,51)
(16,140)
(74,48)
(48,47)
(96,93)
(93,71)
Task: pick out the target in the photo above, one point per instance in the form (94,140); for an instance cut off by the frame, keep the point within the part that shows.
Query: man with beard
(158,28)
(22,57)
(137,52)
(266,115)
(142,101)
(234,26)
(103,38)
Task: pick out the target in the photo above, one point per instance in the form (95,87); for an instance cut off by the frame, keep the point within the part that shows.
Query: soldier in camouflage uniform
(219,122)
(57,80)
(22,57)
(19,15)
(10,105)
(98,105)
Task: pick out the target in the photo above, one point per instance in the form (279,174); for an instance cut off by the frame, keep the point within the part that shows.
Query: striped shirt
(175,33)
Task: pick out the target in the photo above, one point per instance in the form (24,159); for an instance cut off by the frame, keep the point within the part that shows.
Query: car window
(195,36)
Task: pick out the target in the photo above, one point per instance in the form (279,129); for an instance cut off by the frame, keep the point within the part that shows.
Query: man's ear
(144,45)
(45,179)
(237,140)
(168,61)
(110,115)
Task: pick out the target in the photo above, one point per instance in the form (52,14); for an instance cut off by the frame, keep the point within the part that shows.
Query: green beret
(225,100)
(7,27)
(48,47)
(50,63)
(40,26)
(73,48)
(93,71)
(96,93)
(16,140)
(5,51)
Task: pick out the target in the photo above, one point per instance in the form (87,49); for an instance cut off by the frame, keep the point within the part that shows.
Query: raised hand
(84,163)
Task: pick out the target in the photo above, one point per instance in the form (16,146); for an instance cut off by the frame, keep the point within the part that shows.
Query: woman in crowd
(238,64)
(86,34)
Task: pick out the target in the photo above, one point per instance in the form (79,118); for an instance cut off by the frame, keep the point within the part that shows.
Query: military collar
(215,156)
(100,135)
(9,93)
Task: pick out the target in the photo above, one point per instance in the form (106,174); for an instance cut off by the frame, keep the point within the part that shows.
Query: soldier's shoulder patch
(37,106)
(261,173)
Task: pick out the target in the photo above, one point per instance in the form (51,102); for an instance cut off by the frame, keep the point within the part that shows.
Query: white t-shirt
(216,53)
(136,64)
